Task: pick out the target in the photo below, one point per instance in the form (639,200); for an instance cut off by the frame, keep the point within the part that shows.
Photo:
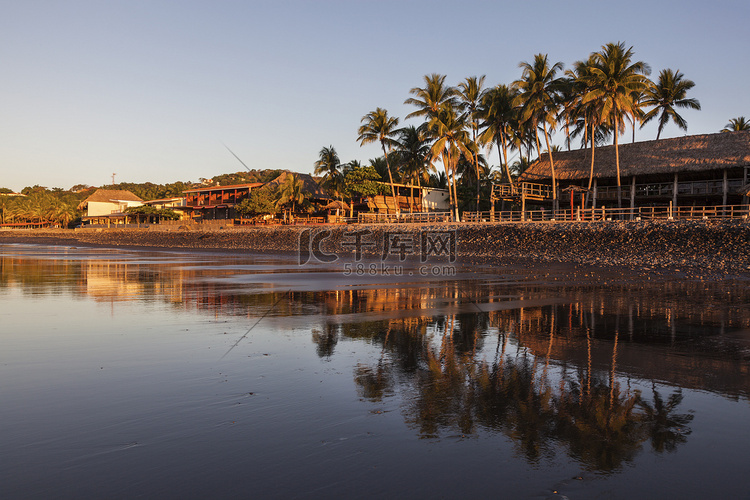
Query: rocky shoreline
(716,248)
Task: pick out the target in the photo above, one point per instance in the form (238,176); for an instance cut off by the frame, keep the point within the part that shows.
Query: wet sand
(706,249)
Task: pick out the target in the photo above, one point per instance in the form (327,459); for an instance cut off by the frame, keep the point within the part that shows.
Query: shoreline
(717,249)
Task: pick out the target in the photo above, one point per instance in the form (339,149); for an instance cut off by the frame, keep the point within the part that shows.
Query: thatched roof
(336,205)
(311,186)
(109,196)
(694,153)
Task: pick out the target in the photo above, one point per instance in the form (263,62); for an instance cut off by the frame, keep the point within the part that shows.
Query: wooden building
(217,202)
(698,170)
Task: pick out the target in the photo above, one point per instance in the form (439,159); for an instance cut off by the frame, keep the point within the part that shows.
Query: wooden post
(581,212)
(571,204)
(523,206)
(593,198)
(724,193)
(492,202)
(674,194)
(632,197)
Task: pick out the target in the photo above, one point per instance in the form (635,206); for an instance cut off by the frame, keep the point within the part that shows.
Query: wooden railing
(606,214)
(404,218)
(528,189)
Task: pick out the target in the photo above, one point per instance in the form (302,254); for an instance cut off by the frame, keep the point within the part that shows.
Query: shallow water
(194,375)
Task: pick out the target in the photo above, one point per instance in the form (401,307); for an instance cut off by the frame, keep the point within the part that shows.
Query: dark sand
(708,249)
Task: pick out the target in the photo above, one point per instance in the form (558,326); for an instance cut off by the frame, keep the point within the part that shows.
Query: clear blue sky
(151,89)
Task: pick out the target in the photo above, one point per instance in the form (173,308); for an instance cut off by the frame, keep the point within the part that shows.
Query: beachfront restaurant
(217,202)
(687,174)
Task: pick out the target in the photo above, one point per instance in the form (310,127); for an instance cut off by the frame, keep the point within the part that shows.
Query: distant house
(710,169)
(107,206)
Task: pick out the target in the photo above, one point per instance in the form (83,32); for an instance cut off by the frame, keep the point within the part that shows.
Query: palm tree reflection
(451,391)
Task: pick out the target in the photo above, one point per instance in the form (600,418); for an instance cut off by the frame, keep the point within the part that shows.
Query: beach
(703,248)
(213,363)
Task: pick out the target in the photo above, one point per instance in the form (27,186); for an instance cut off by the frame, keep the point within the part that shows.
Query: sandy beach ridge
(719,248)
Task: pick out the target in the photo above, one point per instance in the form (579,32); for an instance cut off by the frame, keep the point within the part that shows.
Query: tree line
(40,205)
(593,102)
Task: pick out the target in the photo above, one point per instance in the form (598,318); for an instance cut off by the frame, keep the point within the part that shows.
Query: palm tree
(587,114)
(413,154)
(439,180)
(470,94)
(569,99)
(499,115)
(380,166)
(538,97)
(378,126)
(666,95)
(736,125)
(432,98)
(430,101)
(329,165)
(613,82)
(292,191)
(451,140)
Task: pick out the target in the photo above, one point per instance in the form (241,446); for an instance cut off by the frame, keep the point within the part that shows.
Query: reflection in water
(550,364)
(602,424)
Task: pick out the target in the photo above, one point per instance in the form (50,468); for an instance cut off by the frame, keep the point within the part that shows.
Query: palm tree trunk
(421,202)
(476,159)
(452,185)
(455,194)
(593,146)
(446,163)
(552,168)
(617,161)
(505,155)
(390,177)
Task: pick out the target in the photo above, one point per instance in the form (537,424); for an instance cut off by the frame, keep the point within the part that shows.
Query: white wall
(435,199)
(105,208)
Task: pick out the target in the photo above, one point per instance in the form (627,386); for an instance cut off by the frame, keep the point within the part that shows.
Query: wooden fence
(606,214)
(404,218)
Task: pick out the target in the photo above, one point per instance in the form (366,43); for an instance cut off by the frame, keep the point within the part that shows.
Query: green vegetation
(41,206)
(150,191)
(292,192)
(248,177)
(260,202)
(666,95)
(736,125)
(147,213)
(377,126)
